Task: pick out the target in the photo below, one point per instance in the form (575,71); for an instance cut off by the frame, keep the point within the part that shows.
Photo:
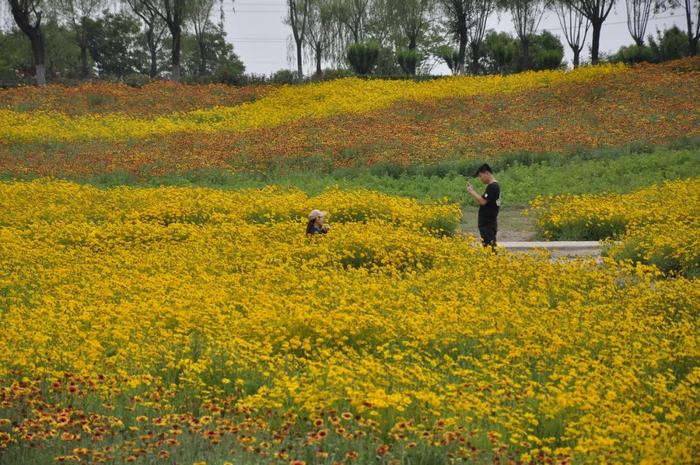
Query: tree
(201,23)
(352,15)
(671,44)
(16,61)
(500,51)
(363,57)
(15,57)
(321,32)
(298,19)
(527,15)
(547,51)
(173,13)
(408,60)
(480,12)
(456,14)
(449,55)
(77,14)
(113,43)
(596,11)
(28,14)
(221,62)
(575,27)
(381,23)
(412,18)
(634,53)
(637,18)
(62,53)
(692,12)
(155,28)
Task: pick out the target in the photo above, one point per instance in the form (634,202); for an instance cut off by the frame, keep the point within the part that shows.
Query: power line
(616,23)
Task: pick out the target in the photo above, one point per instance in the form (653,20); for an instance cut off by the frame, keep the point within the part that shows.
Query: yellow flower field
(658,225)
(200,326)
(282,105)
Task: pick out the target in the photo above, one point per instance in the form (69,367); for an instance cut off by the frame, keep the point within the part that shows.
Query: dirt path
(518,234)
(512,225)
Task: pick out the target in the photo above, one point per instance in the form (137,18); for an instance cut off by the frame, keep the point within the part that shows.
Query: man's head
(484,173)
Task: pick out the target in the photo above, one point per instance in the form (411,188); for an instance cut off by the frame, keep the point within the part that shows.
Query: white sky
(260,37)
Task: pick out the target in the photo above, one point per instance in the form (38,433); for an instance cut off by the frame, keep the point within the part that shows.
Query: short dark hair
(485,168)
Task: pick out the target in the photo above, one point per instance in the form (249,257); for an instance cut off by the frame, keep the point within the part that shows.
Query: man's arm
(479,199)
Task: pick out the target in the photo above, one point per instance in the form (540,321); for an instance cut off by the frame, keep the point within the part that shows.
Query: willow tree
(526,15)
(638,12)
(322,33)
(298,12)
(173,13)
(480,12)
(456,15)
(596,11)
(575,27)
(692,21)
(352,16)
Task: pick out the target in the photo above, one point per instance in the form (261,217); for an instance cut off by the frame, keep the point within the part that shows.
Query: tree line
(179,39)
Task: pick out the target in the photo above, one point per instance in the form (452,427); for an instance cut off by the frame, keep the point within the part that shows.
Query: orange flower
(382,450)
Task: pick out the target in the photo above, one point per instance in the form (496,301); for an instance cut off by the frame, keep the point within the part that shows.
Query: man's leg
(488,235)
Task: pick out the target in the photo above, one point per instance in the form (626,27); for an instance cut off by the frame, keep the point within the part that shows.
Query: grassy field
(522,176)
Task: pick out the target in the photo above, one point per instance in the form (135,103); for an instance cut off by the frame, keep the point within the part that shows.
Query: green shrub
(284,76)
(634,54)
(136,80)
(670,44)
(408,60)
(363,57)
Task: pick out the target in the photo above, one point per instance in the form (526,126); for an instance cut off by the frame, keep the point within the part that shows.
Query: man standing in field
(489,204)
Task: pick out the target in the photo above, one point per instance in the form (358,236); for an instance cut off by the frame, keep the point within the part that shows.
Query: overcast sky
(260,37)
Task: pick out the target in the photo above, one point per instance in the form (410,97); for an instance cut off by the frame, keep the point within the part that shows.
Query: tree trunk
(692,40)
(300,68)
(40,73)
(84,71)
(525,63)
(596,25)
(81,31)
(577,54)
(475,57)
(153,50)
(319,52)
(36,38)
(154,63)
(462,54)
(38,54)
(202,56)
(176,32)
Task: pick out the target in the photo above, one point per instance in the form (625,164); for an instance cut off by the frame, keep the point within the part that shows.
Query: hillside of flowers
(188,325)
(165,129)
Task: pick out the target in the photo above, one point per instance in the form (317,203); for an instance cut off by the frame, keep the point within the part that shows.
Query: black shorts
(488,234)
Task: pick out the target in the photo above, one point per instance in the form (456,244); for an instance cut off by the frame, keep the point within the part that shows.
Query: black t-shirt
(489,213)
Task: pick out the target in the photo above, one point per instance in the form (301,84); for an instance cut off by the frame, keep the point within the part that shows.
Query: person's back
(488,213)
